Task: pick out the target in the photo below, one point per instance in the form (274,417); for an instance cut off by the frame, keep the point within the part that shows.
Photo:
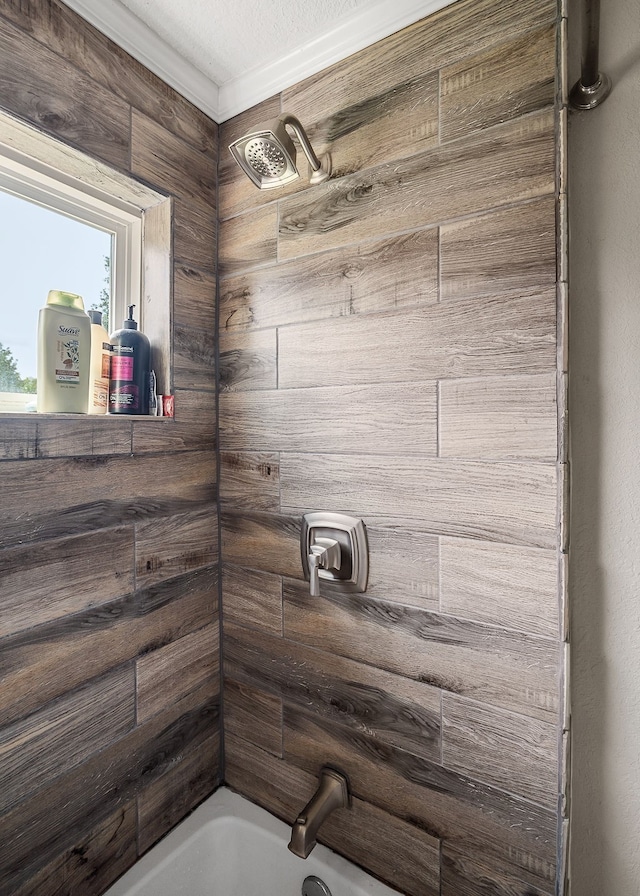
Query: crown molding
(363,28)
(360,30)
(125,29)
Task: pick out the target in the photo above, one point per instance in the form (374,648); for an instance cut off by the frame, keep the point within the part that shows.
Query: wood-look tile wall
(388,349)
(109,635)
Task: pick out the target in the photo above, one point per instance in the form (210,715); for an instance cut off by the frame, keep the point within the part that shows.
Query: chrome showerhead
(267,154)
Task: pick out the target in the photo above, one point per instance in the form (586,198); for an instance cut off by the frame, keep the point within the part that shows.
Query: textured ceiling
(227,55)
(227,38)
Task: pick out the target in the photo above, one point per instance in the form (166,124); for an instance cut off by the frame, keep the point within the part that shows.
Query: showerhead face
(267,155)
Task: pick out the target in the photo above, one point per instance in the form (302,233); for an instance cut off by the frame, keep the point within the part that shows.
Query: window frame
(122,220)
(41,169)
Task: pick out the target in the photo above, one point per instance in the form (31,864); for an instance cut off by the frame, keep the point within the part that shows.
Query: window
(39,250)
(133,219)
(55,235)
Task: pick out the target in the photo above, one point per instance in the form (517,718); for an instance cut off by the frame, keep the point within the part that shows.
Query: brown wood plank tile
(509,751)
(248,360)
(192,702)
(194,328)
(194,235)
(250,480)
(64,809)
(504,82)
(47,91)
(513,502)
(248,240)
(507,252)
(511,586)
(491,336)
(195,409)
(170,164)
(403,566)
(194,358)
(167,675)
(74,766)
(450,806)
(73,436)
(194,294)
(252,598)
(389,417)
(18,437)
(165,802)
(499,417)
(62,735)
(45,662)
(397,119)
(192,429)
(71,37)
(169,546)
(277,786)
(468,872)
(363,295)
(427,45)
(491,665)
(387,707)
(73,162)
(505,164)
(383,275)
(64,576)
(262,541)
(251,713)
(88,493)
(389,847)
(99,857)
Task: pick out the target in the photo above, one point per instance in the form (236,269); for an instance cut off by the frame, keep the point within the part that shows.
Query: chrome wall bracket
(334,551)
(594,86)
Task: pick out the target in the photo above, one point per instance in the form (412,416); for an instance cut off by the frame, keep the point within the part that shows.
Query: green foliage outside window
(10,379)
(104,300)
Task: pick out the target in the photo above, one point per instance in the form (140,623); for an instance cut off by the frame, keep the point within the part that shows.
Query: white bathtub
(230,847)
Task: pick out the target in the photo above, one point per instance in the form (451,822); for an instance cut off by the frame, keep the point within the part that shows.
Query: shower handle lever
(324,553)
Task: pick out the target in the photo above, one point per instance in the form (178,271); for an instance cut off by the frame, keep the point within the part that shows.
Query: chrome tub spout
(332,793)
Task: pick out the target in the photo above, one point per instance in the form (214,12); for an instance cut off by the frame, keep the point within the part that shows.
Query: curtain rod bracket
(593,87)
(583,97)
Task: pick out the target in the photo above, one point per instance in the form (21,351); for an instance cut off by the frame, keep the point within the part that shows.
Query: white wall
(604,157)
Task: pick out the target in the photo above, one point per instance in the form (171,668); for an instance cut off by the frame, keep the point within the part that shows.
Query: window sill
(39,437)
(32,415)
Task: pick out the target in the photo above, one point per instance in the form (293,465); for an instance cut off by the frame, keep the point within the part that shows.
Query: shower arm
(594,86)
(299,131)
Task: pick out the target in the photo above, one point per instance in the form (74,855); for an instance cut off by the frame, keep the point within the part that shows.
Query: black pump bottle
(130,367)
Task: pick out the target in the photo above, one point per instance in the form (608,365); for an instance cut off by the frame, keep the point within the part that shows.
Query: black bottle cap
(96,316)
(130,323)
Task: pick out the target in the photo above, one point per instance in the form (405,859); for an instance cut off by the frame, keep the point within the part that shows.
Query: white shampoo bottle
(64,348)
